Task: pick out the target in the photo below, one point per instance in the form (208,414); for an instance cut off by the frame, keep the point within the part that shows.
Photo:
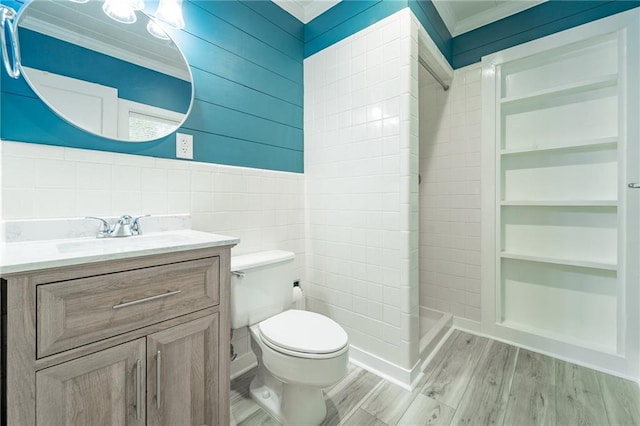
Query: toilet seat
(304,334)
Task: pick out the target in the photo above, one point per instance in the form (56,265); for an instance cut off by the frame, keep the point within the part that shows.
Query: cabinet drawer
(80,311)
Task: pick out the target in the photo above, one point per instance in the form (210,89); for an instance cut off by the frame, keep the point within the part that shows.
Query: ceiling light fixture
(120,10)
(156,30)
(170,13)
(137,4)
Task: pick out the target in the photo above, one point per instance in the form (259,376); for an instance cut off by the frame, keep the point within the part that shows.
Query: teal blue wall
(545,19)
(246,59)
(351,16)
(143,85)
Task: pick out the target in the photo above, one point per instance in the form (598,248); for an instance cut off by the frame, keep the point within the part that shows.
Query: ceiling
(85,25)
(459,16)
(306,10)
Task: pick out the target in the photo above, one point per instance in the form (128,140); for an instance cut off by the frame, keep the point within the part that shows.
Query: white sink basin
(34,255)
(123,243)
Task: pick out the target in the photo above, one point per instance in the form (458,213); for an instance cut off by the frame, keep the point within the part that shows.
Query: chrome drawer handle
(158,378)
(138,388)
(146,299)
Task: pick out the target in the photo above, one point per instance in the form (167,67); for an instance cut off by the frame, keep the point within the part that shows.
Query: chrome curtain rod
(444,85)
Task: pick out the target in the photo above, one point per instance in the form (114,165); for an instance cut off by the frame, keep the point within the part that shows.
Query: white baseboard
(467,325)
(242,364)
(385,369)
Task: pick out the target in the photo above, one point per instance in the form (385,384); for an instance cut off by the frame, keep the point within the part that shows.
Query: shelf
(594,143)
(567,89)
(560,203)
(569,262)
(565,338)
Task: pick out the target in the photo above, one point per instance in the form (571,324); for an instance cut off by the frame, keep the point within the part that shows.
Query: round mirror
(122,81)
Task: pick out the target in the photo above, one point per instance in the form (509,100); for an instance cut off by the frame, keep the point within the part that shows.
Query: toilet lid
(303,331)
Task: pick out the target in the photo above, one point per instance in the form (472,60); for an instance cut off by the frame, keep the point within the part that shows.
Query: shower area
(391,260)
(449,199)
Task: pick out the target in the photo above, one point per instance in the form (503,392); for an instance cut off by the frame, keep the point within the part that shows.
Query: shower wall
(362,197)
(450,195)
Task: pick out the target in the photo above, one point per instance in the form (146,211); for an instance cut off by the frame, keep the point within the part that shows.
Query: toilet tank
(261,286)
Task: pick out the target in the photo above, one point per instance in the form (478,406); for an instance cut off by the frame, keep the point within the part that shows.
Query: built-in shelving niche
(557,141)
(558,157)
(572,304)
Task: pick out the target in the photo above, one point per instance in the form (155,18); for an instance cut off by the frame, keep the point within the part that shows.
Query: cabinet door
(104,388)
(182,374)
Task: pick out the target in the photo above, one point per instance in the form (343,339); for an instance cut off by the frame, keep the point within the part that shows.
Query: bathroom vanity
(117,332)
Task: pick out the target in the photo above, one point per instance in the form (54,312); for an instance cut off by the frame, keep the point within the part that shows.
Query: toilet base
(292,405)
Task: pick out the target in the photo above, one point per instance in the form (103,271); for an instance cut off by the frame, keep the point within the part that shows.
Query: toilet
(299,352)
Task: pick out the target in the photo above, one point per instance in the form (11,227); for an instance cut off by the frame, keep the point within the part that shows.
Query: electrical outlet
(184,146)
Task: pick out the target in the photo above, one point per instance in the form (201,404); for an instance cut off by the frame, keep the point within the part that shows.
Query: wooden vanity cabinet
(104,388)
(150,346)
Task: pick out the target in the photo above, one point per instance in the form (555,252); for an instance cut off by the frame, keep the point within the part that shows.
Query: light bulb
(137,4)
(170,12)
(156,30)
(120,10)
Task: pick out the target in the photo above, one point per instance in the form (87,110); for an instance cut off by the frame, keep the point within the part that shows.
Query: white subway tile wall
(265,209)
(358,166)
(450,194)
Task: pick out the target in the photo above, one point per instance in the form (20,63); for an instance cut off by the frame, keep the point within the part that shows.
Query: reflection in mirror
(111,79)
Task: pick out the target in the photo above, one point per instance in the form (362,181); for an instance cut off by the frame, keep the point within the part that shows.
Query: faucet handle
(105,228)
(125,219)
(122,228)
(135,226)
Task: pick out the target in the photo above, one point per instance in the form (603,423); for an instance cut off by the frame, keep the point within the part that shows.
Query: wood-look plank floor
(471,381)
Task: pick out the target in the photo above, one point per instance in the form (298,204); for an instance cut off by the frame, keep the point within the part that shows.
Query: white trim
(385,369)
(429,52)
(436,349)
(242,364)
(554,355)
(59,91)
(624,362)
(494,13)
(125,107)
(465,324)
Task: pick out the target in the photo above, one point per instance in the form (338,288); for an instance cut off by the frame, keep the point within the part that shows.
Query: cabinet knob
(634,185)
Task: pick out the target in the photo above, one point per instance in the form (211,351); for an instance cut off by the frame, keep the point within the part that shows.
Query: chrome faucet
(126,226)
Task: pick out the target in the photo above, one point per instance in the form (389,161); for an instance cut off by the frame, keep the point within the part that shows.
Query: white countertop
(33,255)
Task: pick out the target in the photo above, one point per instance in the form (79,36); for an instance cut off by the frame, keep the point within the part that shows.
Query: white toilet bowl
(299,353)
